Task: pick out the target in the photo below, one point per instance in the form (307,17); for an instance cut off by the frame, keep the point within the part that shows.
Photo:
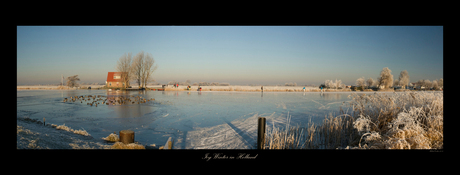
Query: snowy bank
(32,134)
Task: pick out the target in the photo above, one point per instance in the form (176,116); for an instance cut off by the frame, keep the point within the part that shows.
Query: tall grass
(401,121)
(406,120)
(334,132)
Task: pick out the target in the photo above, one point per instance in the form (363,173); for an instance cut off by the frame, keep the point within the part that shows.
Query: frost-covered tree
(435,85)
(386,79)
(360,82)
(71,81)
(427,83)
(329,84)
(370,82)
(404,79)
(440,83)
(338,83)
(420,83)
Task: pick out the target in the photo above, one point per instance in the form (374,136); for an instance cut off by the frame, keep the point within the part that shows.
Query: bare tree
(137,68)
(142,68)
(149,68)
(71,81)
(124,66)
(370,82)
(386,79)
(360,82)
(404,79)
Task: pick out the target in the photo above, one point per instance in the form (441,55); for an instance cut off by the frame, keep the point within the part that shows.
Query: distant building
(114,80)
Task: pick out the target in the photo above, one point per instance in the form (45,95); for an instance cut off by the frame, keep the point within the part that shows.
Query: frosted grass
(409,120)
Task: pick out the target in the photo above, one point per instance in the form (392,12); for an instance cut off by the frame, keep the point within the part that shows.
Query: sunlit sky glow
(239,55)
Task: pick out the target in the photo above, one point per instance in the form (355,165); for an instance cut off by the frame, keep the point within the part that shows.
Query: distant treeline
(188,83)
(290,84)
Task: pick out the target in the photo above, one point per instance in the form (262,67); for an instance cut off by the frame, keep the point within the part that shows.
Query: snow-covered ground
(53,87)
(237,134)
(34,135)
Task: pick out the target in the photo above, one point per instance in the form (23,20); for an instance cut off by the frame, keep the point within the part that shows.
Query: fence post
(261,133)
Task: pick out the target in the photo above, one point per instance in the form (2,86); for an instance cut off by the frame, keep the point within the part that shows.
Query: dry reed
(334,132)
(409,120)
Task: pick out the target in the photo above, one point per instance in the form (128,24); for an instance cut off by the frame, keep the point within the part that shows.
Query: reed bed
(333,133)
(409,120)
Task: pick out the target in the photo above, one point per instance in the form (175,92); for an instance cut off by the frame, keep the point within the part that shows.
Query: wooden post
(261,133)
(127,136)
(44,121)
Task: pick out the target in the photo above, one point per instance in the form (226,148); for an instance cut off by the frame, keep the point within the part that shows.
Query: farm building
(114,80)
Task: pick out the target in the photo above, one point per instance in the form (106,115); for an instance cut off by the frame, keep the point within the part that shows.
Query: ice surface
(195,120)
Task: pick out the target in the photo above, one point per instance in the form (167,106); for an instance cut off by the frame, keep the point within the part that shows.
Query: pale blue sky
(266,55)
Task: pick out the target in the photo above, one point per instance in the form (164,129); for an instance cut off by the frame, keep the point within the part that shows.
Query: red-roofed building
(114,80)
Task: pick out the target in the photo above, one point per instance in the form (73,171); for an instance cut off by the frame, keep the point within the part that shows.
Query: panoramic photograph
(229,87)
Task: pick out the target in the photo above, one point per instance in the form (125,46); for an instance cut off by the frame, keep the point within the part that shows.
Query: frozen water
(194,119)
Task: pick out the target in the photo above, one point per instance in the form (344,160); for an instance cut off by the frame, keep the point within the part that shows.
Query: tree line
(188,83)
(385,80)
